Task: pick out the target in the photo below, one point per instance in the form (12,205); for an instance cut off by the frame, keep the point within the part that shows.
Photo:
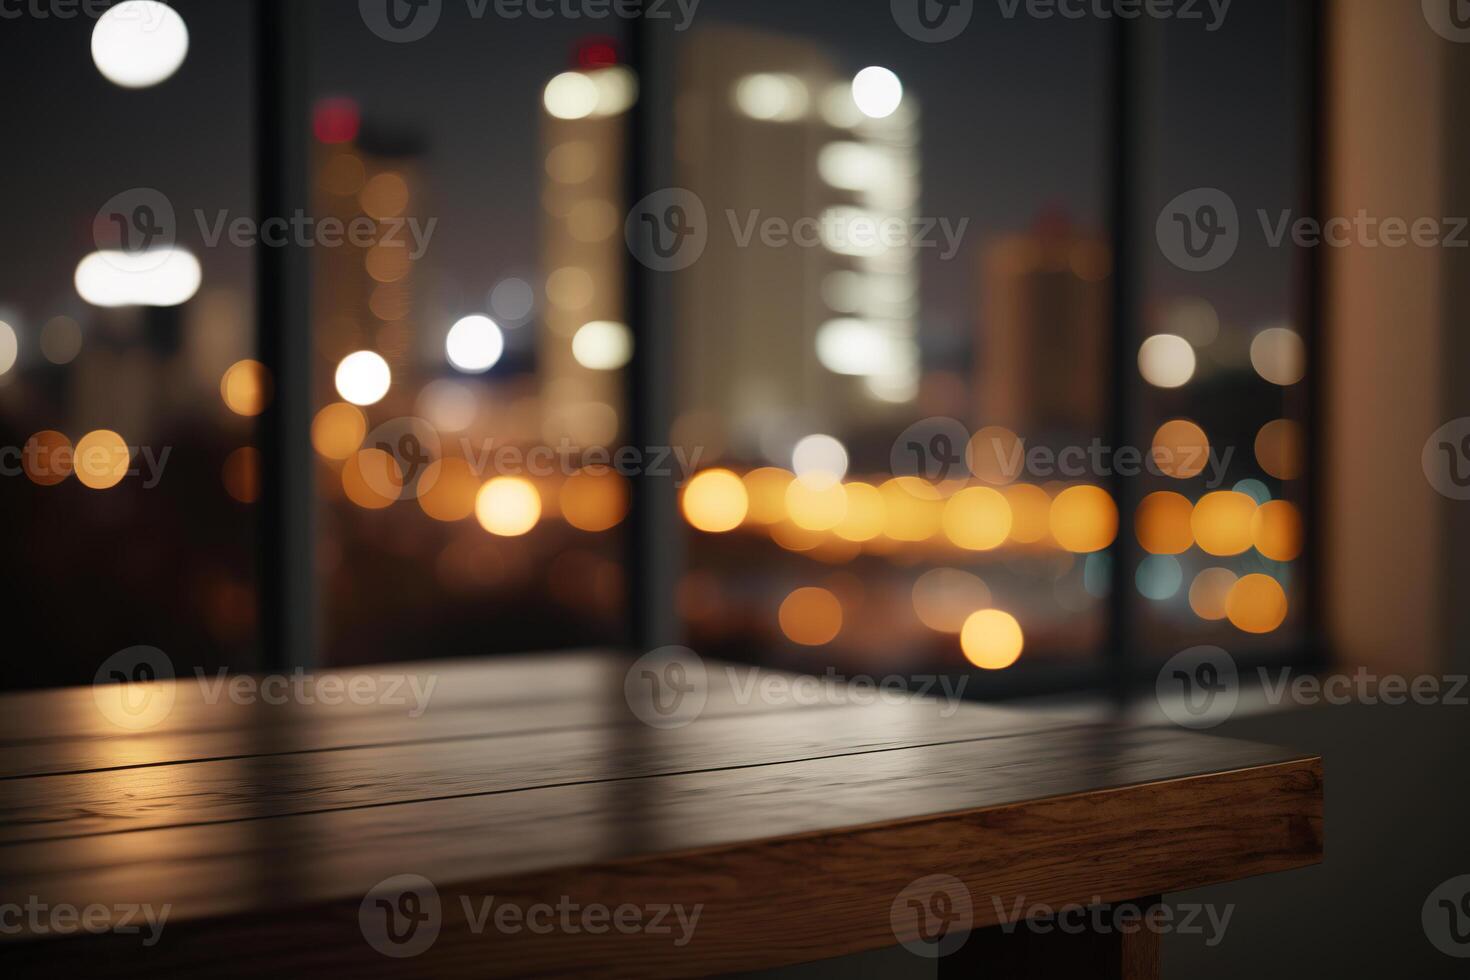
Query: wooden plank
(781,899)
(28,718)
(271,783)
(328,855)
(567,692)
(792,827)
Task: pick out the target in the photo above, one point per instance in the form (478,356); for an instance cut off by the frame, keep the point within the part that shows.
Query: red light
(336,120)
(597,52)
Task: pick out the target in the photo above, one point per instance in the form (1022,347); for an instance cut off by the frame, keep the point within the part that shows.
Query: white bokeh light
(156,277)
(851,346)
(819,461)
(363,378)
(139,43)
(9,347)
(475,344)
(571,95)
(448,405)
(772,97)
(1166,361)
(1279,355)
(512,300)
(603,345)
(617,90)
(877,92)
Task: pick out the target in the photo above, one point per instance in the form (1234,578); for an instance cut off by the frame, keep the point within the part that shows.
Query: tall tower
(583,135)
(1043,333)
(816,331)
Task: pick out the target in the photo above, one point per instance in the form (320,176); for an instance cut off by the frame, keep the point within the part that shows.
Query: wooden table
(797,824)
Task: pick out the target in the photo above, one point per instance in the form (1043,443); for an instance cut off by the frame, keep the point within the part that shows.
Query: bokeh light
(9,347)
(372,479)
(819,461)
(594,501)
(772,97)
(448,405)
(1276,530)
(570,288)
(1181,449)
(603,345)
(866,514)
(241,474)
(1162,523)
(246,388)
(715,501)
(61,341)
(1279,355)
(1257,604)
(452,486)
(159,277)
(139,43)
(1209,592)
(811,617)
(570,95)
(766,490)
(1159,577)
(338,430)
(384,196)
(1166,361)
(994,455)
(816,509)
(47,458)
(508,506)
(944,598)
(992,639)
(101,459)
(475,344)
(915,509)
(977,519)
(363,378)
(1221,523)
(1280,449)
(1030,513)
(877,92)
(1084,519)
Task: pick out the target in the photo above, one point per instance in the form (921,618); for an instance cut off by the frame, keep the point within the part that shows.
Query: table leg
(1050,952)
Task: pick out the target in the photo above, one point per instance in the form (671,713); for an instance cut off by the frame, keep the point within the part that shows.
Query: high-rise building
(365,297)
(817,325)
(1043,335)
(583,255)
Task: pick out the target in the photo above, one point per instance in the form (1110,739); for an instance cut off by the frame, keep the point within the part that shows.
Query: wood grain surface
(792,826)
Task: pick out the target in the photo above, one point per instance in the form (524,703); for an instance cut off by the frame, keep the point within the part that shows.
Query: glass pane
(902,300)
(1222,349)
(127,385)
(469,351)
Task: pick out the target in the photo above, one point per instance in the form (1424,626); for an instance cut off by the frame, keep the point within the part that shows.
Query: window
(800,338)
